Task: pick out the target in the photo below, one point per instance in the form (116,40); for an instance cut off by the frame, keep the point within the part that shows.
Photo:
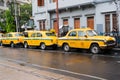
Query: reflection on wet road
(101,65)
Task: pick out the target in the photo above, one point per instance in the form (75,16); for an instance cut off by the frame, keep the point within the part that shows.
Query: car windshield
(1,35)
(92,33)
(50,34)
(19,34)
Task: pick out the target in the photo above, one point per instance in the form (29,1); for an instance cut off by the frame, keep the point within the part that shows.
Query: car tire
(12,45)
(43,46)
(66,47)
(95,49)
(26,45)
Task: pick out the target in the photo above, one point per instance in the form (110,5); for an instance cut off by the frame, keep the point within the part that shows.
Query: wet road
(77,64)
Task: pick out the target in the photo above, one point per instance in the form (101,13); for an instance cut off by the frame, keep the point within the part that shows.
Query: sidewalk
(13,71)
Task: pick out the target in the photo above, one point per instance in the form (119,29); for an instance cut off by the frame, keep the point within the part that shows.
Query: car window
(6,35)
(50,34)
(73,33)
(91,33)
(39,35)
(10,35)
(81,33)
(33,35)
(18,34)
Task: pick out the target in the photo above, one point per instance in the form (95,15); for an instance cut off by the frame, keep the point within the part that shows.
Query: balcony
(69,4)
(2,6)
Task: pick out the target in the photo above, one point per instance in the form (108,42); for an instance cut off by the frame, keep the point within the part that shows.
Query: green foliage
(10,27)
(7,21)
(8,24)
(2,22)
(26,13)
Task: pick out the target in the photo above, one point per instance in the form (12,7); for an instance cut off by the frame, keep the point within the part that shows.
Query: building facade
(96,14)
(4,3)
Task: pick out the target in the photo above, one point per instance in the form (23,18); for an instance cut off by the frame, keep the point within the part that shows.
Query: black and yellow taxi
(1,36)
(12,39)
(86,38)
(40,39)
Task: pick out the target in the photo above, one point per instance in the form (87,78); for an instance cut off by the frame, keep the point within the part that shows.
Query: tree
(25,13)
(9,25)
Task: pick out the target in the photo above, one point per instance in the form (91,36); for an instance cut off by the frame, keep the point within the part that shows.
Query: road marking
(35,65)
(118,61)
(80,74)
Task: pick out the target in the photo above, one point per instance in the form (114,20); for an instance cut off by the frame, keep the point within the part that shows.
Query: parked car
(116,35)
(12,39)
(86,38)
(63,30)
(40,39)
(1,36)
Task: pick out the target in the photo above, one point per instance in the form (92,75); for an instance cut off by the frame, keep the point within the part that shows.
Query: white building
(96,14)
(4,3)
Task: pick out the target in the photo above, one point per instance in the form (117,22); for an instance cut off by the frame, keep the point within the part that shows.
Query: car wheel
(43,46)
(95,48)
(12,45)
(25,45)
(66,47)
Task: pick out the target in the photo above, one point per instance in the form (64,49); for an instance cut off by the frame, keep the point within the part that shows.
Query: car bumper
(108,46)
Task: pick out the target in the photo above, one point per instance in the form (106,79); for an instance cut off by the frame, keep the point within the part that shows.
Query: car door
(37,40)
(72,39)
(32,39)
(8,38)
(4,41)
(82,39)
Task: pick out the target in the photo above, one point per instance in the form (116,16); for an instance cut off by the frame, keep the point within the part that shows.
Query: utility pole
(57,15)
(46,23)
(16,16)
(16,20)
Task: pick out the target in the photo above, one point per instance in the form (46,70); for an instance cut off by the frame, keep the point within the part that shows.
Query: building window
(55,26)
(114,19)
(54,0)
(42,24)
(65,22)
(90,22)
(40,2)
(76,23)
(107,23)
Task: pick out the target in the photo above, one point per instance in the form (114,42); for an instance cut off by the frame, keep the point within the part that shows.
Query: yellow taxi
(1,36)
(12,39)
(40,39)
(86,38)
